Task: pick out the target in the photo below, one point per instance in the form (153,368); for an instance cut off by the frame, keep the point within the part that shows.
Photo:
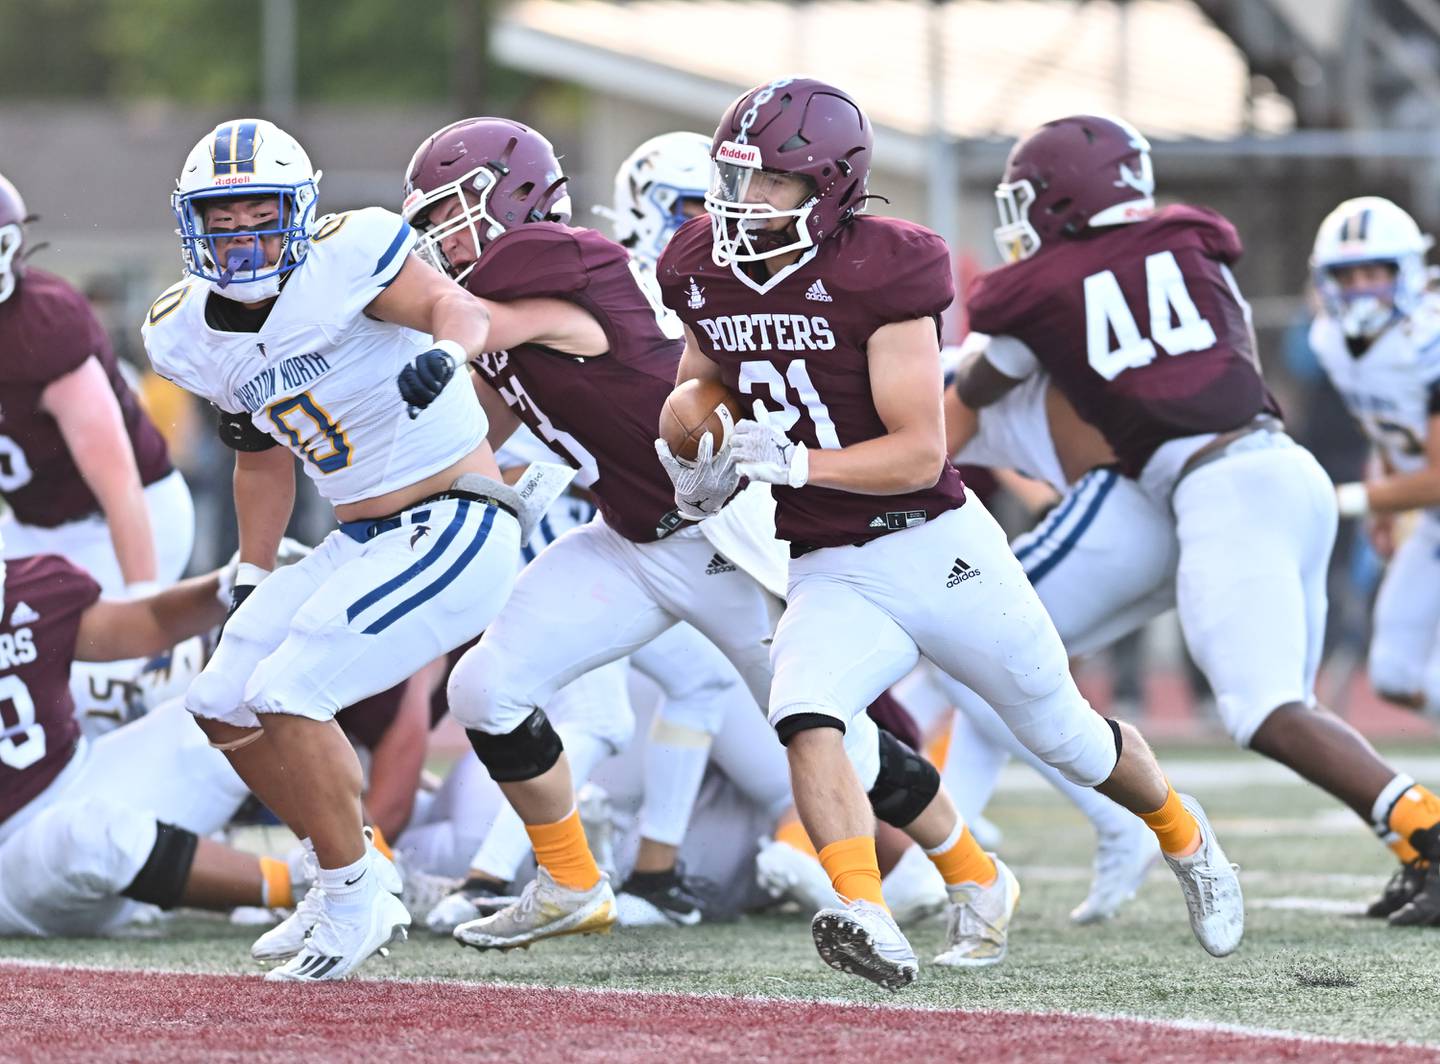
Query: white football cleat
(286,938)
(545,910)
(1122,861)
(977,924)
(337,946)
(470,901)
(387,873)
(1211,888)
(914,889)
(784,872)
(863,939)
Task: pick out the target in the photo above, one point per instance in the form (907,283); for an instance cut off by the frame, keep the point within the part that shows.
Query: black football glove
(423,380)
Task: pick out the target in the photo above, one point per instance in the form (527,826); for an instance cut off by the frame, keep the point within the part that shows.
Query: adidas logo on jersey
(719,564)
(816,292)
(22,614)
(960,572)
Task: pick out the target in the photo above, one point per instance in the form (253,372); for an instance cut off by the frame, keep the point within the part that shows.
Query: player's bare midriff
(481,460)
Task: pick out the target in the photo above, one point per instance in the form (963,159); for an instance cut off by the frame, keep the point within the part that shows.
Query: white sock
(675,760)
(348,887)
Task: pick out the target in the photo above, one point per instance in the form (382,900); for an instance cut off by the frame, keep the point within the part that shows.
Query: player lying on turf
(295,328)
(1181,402)
(826,319)
(94,833)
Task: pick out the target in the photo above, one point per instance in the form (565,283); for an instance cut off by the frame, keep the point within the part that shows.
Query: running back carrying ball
(695,408)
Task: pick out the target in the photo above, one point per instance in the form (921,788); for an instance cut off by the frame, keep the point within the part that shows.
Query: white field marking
(1245,770)
(1202,1026)
(1248,876)
(1328,822)
(1295,903)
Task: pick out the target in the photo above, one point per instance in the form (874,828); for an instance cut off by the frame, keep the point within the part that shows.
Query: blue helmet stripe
(224,153)
(245,148)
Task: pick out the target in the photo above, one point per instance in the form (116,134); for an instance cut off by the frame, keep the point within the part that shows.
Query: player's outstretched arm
(424,299)
(84,406)
(143,627)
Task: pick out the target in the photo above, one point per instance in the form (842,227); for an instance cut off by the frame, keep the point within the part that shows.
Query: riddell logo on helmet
(739,154)
(234,179)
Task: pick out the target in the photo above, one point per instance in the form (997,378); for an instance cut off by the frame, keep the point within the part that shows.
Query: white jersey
(1388,387)
(319,376)
(1014,433)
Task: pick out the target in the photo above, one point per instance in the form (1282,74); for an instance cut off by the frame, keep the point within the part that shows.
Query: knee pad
(215,696)
(529,751)
(161,881)
(473,680)
(907,783)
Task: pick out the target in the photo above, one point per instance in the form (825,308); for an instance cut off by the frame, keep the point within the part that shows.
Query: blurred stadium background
(1269,110)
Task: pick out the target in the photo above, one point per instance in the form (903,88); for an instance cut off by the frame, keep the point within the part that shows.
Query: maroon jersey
(46,331)
(800,348)
(45,597)
(1140,327)
(599,413)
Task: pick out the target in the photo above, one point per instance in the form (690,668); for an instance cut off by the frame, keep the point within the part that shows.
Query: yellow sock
(1416,810)
(276,890)
(1403,850)
(962,860)
(792,833)
(853,869)
(1177,830)
(561,849)
(938,748)
(378,838)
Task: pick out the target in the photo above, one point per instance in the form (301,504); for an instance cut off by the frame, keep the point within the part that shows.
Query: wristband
(1353,499)
(799,466)
(453,349)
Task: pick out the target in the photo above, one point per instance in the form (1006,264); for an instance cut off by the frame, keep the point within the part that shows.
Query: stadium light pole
(277,59)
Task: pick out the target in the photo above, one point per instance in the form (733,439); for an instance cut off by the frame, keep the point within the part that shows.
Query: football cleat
(659,899)
(1423,907)
(977,923)
(1407,882)
(914,888)
(286,938)
(863,939)
(337,945)
(424,890)
(1122,861)
(476,897)
(545,910)
(784,872)
(1211,888)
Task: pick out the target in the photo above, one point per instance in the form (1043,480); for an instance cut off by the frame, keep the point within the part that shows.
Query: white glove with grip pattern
(702,486)
(763,452)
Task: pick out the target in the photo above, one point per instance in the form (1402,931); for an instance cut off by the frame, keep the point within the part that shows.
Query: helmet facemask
(245,275)
(474,217)
(1015,236)
(11,237)
(1364,312)
(739,224)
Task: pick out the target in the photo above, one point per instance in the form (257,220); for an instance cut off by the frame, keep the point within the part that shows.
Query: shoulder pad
(541,259)
(169,302)
(1216,233)
(364,247)
(913,277)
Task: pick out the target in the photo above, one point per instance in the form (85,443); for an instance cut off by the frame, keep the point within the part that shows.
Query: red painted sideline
(55,1014)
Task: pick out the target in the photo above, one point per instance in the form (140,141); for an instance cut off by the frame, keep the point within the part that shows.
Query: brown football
(690,412)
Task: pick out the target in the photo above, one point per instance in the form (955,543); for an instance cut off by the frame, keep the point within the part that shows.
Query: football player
(827,318)
(91,833)
(1378,338)
(1136,316)
(576,354)
(85,473)
(294,328)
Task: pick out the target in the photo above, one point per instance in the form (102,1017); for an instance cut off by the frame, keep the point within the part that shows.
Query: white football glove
(701,486)
(762,452)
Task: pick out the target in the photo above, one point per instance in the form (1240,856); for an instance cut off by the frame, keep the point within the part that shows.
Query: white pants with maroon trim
(353,619)
(593,596)
(66,856)
(87,542)
(858,618)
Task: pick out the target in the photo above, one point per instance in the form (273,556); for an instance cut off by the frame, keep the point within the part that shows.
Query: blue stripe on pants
(432,556)
(1053,520)
(1107,482)
(440,584)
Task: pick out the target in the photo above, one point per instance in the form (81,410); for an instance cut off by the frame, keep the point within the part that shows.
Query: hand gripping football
(692,410)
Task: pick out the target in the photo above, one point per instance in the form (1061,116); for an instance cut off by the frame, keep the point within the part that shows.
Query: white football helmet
(651,186)
(243,158)
(1369,229)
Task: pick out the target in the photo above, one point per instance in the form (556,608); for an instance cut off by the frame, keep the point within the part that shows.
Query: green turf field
(1300,969)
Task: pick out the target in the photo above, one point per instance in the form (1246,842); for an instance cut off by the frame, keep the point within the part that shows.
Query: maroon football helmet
(1070,174)
(503,174)
(794,126)
(12,237)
